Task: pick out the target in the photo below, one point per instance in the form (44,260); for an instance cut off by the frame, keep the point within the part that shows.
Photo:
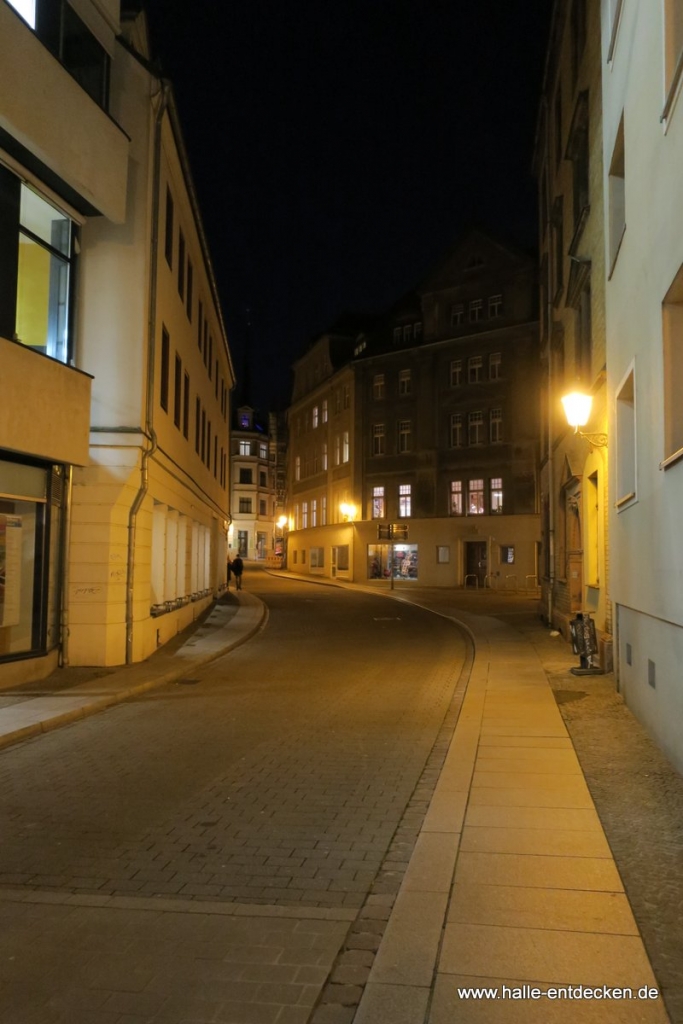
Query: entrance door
(475,562)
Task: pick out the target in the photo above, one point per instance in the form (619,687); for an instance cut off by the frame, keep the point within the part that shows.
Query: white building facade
(642,51)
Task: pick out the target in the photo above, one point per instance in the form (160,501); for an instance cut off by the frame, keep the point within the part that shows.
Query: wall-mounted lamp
(348,511)
(577,409)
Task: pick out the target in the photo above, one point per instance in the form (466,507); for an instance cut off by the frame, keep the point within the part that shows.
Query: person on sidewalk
(237,567)
(229,571)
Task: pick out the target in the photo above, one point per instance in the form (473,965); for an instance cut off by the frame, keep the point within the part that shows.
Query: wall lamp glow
(348,511)
(577,409)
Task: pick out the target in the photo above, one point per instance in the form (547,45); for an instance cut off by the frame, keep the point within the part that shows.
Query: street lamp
(577,409)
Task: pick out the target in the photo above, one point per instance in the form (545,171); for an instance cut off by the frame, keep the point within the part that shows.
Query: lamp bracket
(594,440)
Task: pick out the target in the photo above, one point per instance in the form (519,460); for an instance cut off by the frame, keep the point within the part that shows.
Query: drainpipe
(549,322)
(149,433)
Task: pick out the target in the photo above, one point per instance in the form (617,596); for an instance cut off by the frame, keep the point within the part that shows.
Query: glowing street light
(577,409)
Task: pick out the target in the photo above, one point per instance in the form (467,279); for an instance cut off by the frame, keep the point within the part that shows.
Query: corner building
(424,419)
(115,367)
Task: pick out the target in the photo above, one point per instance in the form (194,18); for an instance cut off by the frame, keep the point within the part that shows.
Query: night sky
(340,148)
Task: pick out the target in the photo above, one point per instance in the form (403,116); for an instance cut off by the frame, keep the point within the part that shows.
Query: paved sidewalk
(512,882)
(29,711)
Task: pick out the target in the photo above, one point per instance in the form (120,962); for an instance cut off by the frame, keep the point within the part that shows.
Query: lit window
(496,494)
(245,505)
(378,506)
(456,372)
(507,554)
(405,384)
(245,447)
(404,500)
(456,430)
(345,447)
(304,516)
(263,451)
(378,442)
(44,266)
(475,428)
(404,433)
(475,498)
(456,498)
(378,386)
(337,450)
(474,369)
(297,468)
(314,512)
(323,510)
(324,455)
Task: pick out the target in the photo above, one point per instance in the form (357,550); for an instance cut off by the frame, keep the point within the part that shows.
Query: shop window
(399,561)
(30,528)
(317,558)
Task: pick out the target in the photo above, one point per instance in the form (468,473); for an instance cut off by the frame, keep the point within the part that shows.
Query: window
(263,451)
(186,405)
(324,455)
(245,505)
(347,396)
(474,369)
(456,430)
(457,314)
(507,554)
(626,440)
(314,416)
(404,432)
(246,476)
(476,309)
(672,323)
(200,324)
(324,410)
(456,373)
(407,334)
(496,492)
(262,479)
(297,468)
(397,335)
(323,510)
(345,446)
(314,512)
(494,366)
(177,390)
(317,557)
(304,516)
(495,306)
(673,45)
(337,449)
(456,506)
(475,428)
(577,151)
(203,452)
(405,384)
(168,237)
(190,286)
(378,503)
(165,369)
(378,439)
(404,500)
(443,554)
(181,265)
(378,386)
(34,304)
(496,425)
(475,498)
(197,424)
(617,196)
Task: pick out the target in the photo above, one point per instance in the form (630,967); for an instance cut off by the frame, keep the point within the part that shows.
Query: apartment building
(252,533)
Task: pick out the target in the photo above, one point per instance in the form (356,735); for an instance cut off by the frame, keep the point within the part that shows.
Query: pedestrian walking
(229,571)
(237,568)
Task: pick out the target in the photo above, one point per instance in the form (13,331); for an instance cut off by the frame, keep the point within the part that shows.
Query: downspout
(149,433)
(549,322)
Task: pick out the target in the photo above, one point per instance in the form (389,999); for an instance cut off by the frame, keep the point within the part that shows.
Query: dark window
(61,30)
(168,238)
(165,368)
(188,294)
(203,452)
(186,405)
(197,425)
(210,366)
(177,390)
(200,324)
(577,151)
(181,265)
(208,444)
(215,455)
(246,476)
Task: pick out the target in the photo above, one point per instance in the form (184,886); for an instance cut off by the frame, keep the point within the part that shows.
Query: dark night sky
(339,148)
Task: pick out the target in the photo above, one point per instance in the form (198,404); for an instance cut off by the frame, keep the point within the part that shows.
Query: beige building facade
(575,566)
(114,473)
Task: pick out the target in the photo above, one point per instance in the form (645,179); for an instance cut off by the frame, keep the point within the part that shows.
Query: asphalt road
(275,777)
